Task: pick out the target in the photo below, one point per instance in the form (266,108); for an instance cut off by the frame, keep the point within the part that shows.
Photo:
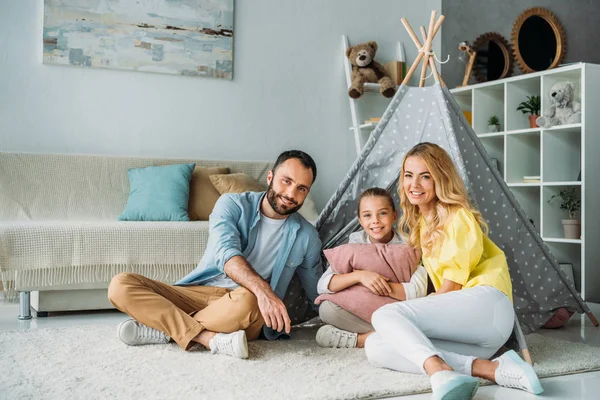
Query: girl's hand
(376,283)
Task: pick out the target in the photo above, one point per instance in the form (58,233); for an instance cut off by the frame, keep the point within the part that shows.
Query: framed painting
(181,37)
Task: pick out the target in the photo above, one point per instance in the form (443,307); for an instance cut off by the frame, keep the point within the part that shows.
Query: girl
(377,215)
(452,334)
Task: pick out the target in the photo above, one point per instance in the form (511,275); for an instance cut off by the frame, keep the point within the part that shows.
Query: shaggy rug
(90,362)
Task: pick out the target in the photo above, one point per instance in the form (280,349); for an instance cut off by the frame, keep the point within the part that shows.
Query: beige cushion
(236,183)
(203,194)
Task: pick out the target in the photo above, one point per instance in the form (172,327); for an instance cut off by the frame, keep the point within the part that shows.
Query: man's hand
(271,307)
(376,283)
(274,312)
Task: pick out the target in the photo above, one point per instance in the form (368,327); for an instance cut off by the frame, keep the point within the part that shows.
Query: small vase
(532,123)
(493,128)
(572,228)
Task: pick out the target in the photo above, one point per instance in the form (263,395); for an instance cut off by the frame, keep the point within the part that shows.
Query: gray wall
(467,19)
(288,90)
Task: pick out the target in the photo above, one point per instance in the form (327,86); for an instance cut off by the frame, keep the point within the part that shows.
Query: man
(257,242)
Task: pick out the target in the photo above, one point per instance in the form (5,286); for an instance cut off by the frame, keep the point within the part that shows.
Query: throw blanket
(397,262)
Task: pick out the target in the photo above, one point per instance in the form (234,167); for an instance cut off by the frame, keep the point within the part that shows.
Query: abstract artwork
(182,37)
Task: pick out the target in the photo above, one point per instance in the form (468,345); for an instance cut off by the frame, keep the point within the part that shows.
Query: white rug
(90,362)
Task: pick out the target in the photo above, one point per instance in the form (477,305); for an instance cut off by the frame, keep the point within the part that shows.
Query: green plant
(531,106)
(493,120)
(570,202)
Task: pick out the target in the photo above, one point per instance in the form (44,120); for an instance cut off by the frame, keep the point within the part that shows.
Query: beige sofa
(61,243)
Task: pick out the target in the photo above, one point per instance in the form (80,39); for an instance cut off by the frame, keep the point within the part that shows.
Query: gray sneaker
(330,336)
(135,333)
(231,344)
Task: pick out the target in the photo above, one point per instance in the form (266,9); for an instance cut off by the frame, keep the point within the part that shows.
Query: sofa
(60,239)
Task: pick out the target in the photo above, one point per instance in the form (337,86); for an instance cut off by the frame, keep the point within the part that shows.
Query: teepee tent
(430,114)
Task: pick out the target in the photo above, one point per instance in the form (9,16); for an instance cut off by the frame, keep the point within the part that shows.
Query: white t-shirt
(417,287)
(269,238)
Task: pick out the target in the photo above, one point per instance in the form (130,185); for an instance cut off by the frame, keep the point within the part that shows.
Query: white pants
(458,327)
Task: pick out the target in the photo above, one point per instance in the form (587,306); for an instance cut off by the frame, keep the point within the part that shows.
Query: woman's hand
(378,284)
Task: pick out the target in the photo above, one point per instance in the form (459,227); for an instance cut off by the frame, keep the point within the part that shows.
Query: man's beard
(272,199)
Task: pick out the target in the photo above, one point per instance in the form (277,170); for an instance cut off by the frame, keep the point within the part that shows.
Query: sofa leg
(24,306)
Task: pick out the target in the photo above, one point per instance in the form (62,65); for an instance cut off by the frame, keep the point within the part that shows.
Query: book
(537,177)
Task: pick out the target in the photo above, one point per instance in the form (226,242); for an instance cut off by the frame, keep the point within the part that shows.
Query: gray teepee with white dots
(430,114)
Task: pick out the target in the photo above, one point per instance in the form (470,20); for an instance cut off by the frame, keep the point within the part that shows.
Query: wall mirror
(538,40)
(493,58)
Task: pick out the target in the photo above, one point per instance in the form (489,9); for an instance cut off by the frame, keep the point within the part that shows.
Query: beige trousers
(335,315)
(182,312)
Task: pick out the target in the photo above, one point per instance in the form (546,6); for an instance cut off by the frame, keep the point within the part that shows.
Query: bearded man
(257,242)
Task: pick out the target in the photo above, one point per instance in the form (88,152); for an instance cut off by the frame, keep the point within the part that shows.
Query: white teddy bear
(563,108)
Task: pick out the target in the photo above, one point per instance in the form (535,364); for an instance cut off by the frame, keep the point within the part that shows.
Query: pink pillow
(397,262)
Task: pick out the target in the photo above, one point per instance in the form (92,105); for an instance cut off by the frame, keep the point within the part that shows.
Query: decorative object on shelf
(493,124)
(538,40)
(469,117)
(563,109)
(156,36)
(366,69)
(397,68)
(570,204)
(374,120)
(531,106)
(467,55)
(493,58)
(532,179)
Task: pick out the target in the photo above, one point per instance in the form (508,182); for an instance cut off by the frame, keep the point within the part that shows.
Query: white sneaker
(452,385)
(330,336)
(231,344)
(135,333)
(514,372)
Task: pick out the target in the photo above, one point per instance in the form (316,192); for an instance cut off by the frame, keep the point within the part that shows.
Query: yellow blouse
(467,256)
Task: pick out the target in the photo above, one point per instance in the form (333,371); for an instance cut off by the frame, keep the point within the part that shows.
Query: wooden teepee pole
(431,60)
(427,48)
(421,54)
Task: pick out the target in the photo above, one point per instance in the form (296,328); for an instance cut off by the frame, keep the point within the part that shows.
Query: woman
(451,334)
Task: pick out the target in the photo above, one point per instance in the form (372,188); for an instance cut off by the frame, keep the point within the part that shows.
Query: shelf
(522,157)
(487,101)
(552,214)
(565,183)
(518,92)
(491,134)
(561,240)
(528,198)
(559,128)
(528,131)
(374,87)
(524,184)
(370,125)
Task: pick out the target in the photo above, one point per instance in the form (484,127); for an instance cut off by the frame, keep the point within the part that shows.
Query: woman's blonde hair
(450,191)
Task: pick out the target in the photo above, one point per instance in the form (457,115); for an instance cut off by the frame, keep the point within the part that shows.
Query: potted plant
(493,124)
(570,204)
(531,106)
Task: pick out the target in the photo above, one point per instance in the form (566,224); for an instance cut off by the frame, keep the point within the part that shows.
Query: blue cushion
(158,193)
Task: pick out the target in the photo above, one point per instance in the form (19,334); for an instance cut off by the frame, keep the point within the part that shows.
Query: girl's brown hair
(375,192)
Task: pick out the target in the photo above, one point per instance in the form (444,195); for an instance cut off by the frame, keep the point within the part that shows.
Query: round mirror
(538,40)
(493,59)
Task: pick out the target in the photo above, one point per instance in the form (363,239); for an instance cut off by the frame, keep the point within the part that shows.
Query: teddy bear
(366,69)
(564,109)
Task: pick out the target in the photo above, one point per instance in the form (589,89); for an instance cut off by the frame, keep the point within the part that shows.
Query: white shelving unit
(358,126)
(557,155)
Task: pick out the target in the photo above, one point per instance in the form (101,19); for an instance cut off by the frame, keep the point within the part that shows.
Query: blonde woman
(451,334)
